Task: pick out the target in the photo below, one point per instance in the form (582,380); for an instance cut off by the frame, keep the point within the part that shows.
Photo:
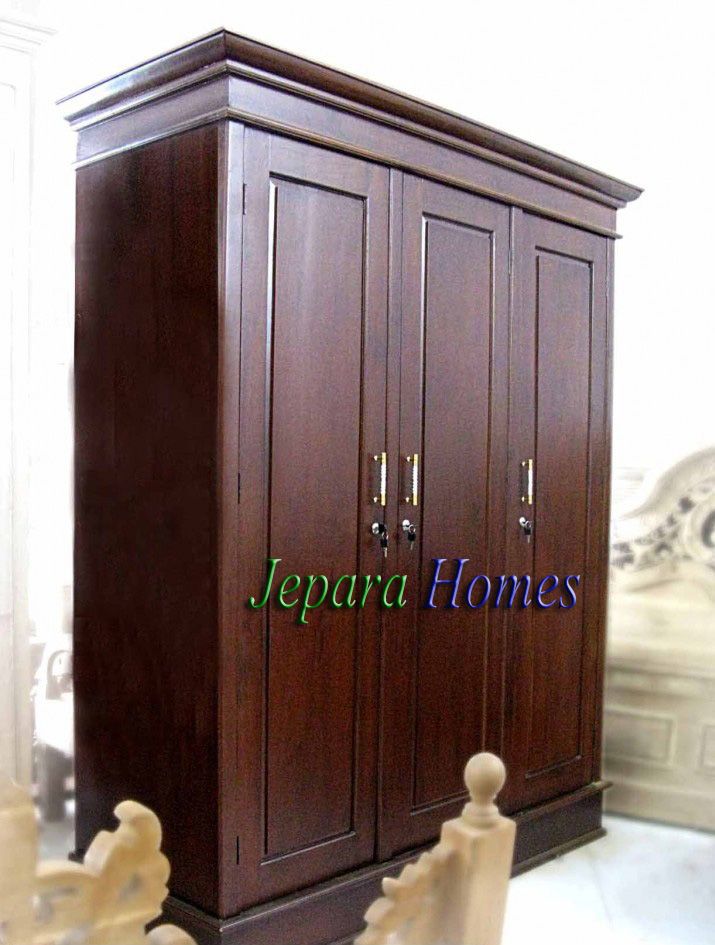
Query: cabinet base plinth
(555,827)
(331,913)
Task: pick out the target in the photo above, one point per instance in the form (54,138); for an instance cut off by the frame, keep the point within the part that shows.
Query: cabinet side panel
(145,532)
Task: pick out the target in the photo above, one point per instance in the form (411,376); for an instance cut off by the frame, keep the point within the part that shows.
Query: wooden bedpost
(455,894)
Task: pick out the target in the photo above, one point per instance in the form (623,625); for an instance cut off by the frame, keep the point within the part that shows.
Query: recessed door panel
(453,304)
(558,422)
(312,418)
(456,313)
(314,506)
(565,291)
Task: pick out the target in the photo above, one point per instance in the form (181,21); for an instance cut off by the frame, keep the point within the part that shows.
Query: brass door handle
(527,496)
(413,461)
(381,458)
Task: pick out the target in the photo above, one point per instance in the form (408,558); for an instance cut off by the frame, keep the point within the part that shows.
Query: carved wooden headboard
(667,529)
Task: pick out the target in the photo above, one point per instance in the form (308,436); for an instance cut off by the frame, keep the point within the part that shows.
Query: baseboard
(332,913)
(668,804)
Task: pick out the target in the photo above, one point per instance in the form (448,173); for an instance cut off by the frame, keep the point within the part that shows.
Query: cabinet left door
(311,420)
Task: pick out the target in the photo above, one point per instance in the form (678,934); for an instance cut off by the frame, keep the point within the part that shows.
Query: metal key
(411,531)
(527,527)
(379,528)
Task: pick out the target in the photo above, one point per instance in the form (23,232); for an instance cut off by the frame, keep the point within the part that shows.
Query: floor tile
(642,884)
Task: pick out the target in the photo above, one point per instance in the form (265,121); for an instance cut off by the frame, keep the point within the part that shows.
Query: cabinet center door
(312,419)
(452,436)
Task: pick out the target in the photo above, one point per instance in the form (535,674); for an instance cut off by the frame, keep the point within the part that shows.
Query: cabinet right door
(559,412)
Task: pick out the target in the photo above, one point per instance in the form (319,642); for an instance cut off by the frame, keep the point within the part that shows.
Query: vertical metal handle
(414,464)
(527,466)
(381,458)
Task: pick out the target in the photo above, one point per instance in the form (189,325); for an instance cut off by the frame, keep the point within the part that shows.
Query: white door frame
(19,43)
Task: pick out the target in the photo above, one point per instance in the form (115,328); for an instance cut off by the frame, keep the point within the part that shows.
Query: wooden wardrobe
(308,307)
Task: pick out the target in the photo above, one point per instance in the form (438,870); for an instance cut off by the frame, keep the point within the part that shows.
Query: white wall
(18,50)
(625,86)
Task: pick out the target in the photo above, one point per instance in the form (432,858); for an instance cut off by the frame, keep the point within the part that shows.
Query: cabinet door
(312,417)
(558,420)
(451,412)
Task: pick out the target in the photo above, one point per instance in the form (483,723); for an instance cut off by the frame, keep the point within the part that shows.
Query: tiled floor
(643,884)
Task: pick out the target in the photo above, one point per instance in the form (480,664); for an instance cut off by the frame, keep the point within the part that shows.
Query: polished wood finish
(453,348)
(226,52)
(282,272)
(145,654)
(552,829)
(557,395)
(313,376)
(332,912)
(225,76)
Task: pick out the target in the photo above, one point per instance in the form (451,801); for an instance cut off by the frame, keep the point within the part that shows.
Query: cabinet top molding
(224,53)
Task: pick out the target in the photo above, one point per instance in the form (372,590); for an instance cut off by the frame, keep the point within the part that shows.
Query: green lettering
(273,562)
(368,584)
(349,600)
(307,605)
(285,589)
(399,600)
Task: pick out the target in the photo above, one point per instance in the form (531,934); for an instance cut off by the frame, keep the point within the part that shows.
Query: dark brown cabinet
(560,331)
(453,308)
(313,382)
(316,318)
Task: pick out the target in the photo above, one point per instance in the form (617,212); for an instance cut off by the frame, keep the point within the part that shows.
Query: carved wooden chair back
(107,901)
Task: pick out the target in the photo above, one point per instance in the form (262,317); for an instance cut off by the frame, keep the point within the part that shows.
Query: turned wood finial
(484,776)
(455,892)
